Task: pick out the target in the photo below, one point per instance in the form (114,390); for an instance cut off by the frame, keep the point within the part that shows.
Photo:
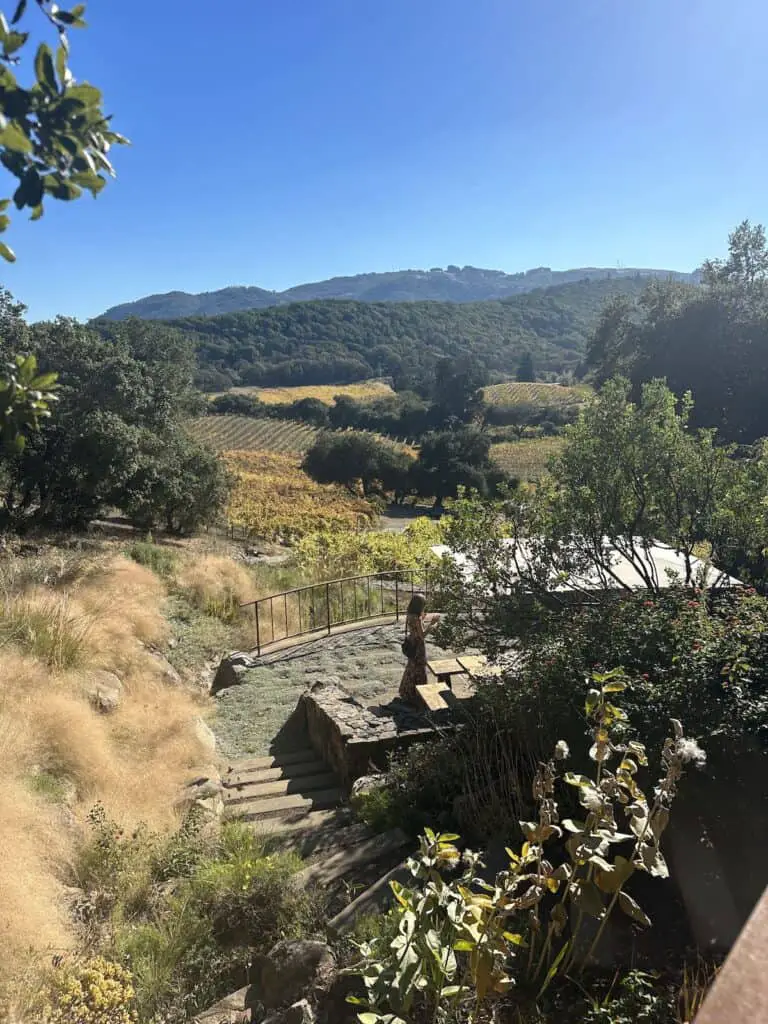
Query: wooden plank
(292,771)
(280,787)
(431,695)
(477,664)
(343,861)
(445,667)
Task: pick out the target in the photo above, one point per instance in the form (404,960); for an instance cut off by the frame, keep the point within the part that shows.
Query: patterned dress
(416,670)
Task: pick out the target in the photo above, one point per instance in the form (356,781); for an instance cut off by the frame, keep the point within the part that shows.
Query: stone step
(281,787)
(295,827)
(368,851)
(243,777)
(268,807)
(376,898)
(281,760)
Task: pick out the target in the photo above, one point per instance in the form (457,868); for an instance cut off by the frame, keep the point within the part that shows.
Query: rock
(299,1013)
(367,784)
(104,690)
(205,792)
(205,735)
(231,672)
(234,1009)
(291,971)
(168,673)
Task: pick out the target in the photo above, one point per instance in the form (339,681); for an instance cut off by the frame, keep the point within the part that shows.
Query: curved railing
(322,607)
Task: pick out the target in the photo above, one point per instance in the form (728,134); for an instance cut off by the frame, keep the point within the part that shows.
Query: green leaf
(12,137)
(614,687)
(553,969)
(633,910)
(368,1018)
(44,69)
(14,41)
(19,12)
(7,253)
(37,213)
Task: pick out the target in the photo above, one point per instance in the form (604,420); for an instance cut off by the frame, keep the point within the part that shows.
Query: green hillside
(335,341)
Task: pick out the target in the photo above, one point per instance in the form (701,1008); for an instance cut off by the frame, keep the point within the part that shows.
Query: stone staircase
(296,801)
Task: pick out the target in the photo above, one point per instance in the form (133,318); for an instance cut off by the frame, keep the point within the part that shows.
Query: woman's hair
(416,605)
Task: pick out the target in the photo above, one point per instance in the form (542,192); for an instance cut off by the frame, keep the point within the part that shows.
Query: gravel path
(368,662)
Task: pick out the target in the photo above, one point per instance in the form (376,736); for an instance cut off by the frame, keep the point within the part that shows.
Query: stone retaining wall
(351,738)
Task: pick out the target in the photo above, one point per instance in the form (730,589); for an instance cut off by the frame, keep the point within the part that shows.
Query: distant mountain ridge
(451,284)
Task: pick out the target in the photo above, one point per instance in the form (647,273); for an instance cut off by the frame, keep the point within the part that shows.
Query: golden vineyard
(273,498)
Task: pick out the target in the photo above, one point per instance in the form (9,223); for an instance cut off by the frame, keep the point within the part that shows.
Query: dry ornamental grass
(59,754)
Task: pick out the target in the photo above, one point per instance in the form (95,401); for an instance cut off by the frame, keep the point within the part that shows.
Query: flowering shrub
(464,943)
(93,991)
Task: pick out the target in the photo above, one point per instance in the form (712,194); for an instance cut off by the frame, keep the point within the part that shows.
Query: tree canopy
(337,341)
(117,440)
(710,340)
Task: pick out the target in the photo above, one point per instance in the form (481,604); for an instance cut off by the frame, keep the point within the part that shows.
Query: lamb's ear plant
(463,942)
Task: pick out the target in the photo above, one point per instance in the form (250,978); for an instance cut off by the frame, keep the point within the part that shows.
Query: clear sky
(283,141)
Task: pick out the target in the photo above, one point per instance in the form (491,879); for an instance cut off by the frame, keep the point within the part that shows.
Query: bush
(332,554)
(159,559)
(186,911)
(462,944)
(91,991)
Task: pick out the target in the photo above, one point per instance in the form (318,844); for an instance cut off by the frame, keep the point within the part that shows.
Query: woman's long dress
(416,670)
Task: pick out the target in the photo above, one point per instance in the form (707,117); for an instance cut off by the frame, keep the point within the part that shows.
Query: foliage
(273,498)
(90,991)
(332,554)
(187,943)
(468,942)
(161,560)
(353,458)
(116,441)
(54,136)
(525,369)
(25,399)
(451,460)
(711,341)
(685,656)
(344,342)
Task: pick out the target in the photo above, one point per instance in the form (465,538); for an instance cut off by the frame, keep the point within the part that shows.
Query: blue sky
(283,141)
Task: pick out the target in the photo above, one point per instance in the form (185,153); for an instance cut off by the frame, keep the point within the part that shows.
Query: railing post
(328,605)
(258,633)
(397,597)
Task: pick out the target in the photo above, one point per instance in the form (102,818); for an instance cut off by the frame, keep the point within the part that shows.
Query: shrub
(330,554)
(159,559)
(465,943)
(91,991)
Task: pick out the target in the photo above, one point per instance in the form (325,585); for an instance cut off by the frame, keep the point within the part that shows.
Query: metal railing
(320,607)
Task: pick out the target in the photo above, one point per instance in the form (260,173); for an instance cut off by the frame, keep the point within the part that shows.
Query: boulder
(231,671)
(104,691)
(204,792)
(292,970)
(234,1009)
(299,1013)
(367,784)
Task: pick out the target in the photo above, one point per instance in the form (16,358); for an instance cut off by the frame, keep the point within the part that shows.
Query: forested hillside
(452,284)
(333,342)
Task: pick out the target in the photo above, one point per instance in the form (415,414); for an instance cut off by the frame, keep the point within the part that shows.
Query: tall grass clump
(157,557)
(47,626)
(216,586)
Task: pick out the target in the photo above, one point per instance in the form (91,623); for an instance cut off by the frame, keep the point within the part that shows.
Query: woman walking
(414,647)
